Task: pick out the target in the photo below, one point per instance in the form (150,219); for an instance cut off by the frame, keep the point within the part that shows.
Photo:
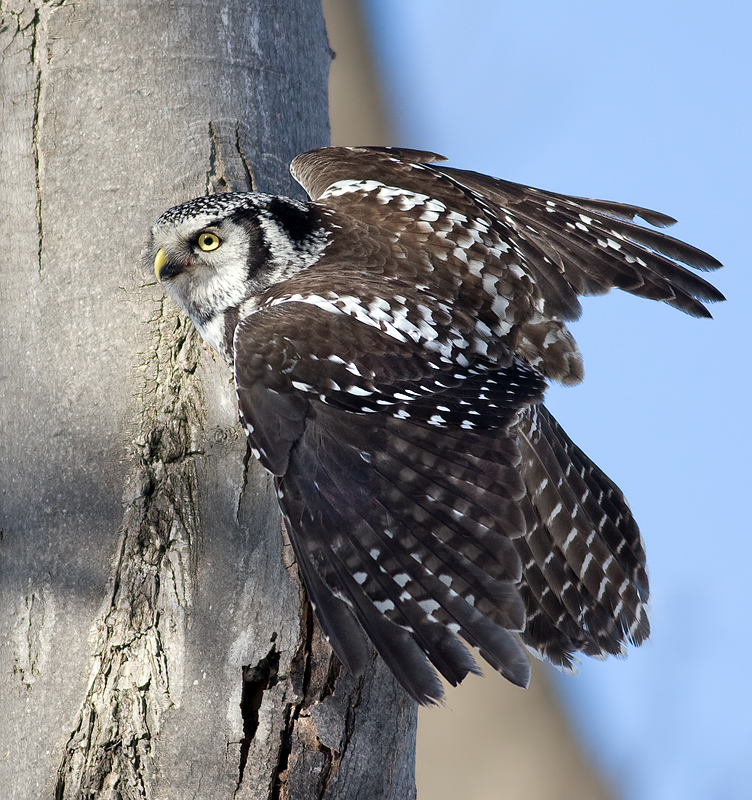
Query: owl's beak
(160,259)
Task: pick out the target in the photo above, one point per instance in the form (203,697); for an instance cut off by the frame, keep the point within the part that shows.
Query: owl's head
(213,254)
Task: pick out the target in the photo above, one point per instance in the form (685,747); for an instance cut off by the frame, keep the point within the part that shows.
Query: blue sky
(649,103)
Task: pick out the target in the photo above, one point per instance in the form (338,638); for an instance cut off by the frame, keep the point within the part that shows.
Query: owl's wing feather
(359,552)
(318,169)
(594,586)
(337,620)
(401,522)
(594,245)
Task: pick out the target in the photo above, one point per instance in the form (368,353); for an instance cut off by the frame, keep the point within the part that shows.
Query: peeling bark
(156,641)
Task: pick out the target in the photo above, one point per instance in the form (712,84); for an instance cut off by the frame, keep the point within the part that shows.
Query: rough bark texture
(155,642)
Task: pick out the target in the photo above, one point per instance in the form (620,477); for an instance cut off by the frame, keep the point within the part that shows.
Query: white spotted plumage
(391,341)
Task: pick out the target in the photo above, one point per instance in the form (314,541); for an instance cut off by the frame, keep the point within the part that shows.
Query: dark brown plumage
(391,341)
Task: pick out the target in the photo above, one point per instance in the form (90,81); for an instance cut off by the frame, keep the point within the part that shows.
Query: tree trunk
(155,638)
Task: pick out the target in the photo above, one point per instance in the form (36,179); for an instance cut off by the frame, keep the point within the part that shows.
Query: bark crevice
(37,14)
(35,131)
(256,680)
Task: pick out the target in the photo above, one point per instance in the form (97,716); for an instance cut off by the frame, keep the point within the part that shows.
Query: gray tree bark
(155,642)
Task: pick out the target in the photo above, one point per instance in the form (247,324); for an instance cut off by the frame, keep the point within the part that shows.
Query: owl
(391,341)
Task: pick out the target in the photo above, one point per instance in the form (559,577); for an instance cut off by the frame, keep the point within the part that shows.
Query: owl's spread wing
(570,246)
(425,501)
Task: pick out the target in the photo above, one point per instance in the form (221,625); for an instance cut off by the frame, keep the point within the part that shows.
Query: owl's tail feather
(584,582)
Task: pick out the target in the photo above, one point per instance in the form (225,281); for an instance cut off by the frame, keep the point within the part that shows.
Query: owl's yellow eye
(208,241)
